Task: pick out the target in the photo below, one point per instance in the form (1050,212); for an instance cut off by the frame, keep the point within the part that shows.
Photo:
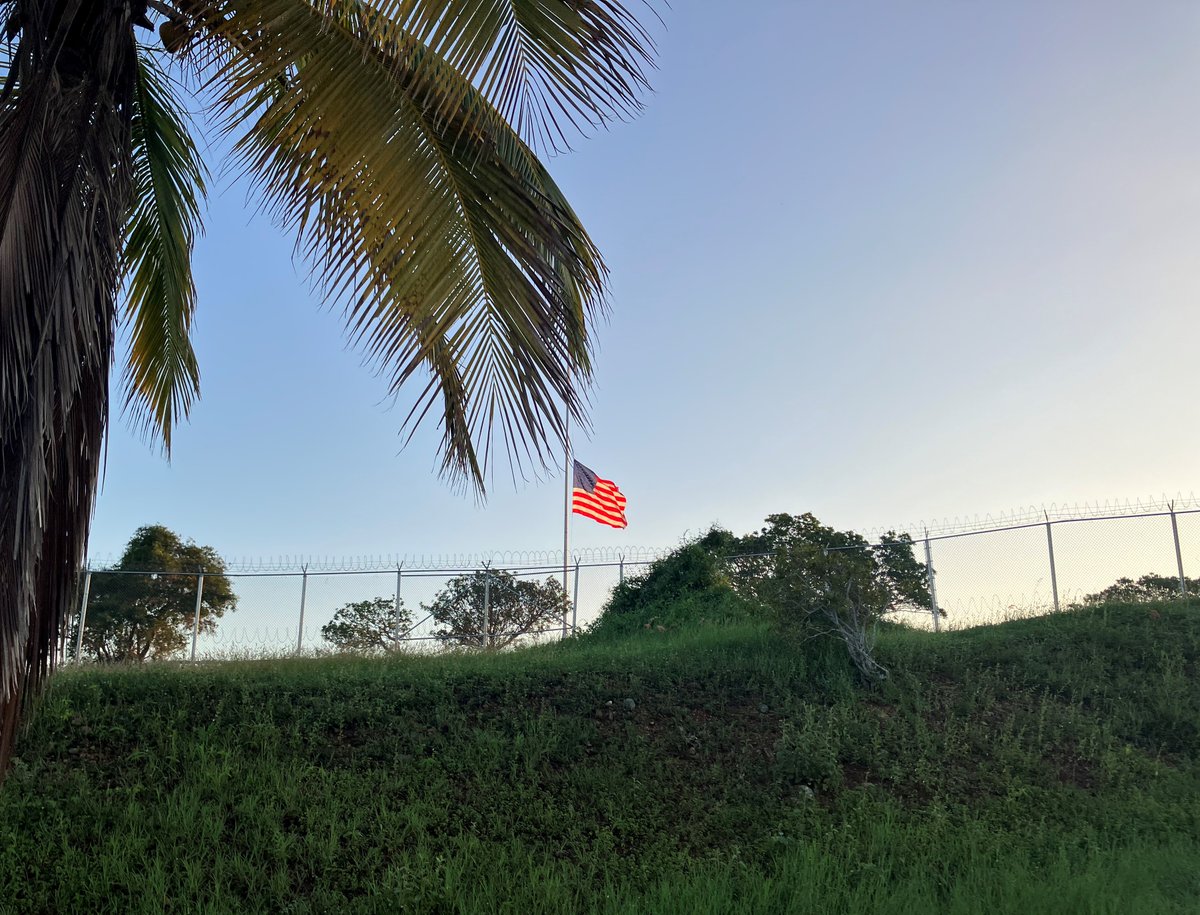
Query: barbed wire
(525,560)
(1040,514)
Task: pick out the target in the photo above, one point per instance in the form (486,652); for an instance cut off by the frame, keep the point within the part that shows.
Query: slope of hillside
(1046,765)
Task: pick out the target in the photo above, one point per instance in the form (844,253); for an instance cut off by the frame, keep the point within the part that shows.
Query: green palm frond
(161,376)
(447,242)
(550,67)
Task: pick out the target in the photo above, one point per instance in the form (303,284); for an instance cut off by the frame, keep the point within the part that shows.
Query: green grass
(1046,765)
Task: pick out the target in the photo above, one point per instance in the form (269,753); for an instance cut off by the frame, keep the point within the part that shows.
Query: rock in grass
(630,705)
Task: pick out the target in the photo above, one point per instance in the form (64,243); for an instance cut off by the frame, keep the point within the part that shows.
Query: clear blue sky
(883,262)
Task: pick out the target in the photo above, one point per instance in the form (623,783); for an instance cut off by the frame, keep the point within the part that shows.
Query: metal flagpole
(566,504)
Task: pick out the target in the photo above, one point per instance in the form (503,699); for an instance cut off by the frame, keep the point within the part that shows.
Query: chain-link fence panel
(552,626)
(596,584)
(1092,555)
(263,623)
(1188,524)
(131,617)
(330,598)
(990,577)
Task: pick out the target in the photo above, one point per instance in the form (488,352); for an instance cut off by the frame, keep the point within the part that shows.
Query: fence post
(396,628)
(1053,569)
(564,613)
(1178,553)
(487,598)
(87,588)
(929,574)
(621,570)
(303,596)
(575,602)
(196,620)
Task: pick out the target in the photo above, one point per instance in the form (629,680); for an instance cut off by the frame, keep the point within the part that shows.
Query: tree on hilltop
(369,625)
(513,608)
(897,577)
(145,606)
(811,578)
(1148,588)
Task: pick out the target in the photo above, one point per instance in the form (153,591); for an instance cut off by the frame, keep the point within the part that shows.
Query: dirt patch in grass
(1072,769)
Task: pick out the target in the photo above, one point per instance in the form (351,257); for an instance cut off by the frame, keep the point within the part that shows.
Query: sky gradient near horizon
(882,262)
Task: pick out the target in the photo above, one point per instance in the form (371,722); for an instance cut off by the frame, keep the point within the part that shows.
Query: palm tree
(393,137)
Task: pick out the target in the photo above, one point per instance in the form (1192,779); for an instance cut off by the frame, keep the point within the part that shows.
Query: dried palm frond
(65,114)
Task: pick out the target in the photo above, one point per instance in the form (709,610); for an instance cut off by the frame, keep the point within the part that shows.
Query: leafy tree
(814,578)
(395,140)
(132,617)
(904,576)
(515,607)
(819,578)
(368,625)
(897,578)
(839,591)
(1146,589)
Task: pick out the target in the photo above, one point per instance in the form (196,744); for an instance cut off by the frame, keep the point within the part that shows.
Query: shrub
(689,585)
(806,755)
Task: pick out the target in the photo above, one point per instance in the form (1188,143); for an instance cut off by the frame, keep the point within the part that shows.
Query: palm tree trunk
(64,189)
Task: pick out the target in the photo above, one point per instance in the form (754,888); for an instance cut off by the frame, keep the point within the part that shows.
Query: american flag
(597,499)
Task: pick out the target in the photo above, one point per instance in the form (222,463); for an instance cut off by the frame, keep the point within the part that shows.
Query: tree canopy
(369,625)
(805,575)
(150,613)
(889,566)
(494,608)
(1145,589)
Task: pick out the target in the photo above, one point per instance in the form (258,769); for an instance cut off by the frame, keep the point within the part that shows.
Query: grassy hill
(1048,765)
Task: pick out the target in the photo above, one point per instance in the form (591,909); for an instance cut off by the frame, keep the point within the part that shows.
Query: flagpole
(566,504)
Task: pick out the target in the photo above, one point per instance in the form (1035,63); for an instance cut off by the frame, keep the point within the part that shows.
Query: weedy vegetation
(694,753)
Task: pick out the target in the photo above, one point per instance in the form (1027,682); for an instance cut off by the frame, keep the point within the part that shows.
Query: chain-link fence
(991,575)
(977,577)
(138,615)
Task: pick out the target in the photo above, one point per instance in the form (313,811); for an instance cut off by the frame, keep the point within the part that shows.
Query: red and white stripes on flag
(597,499)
